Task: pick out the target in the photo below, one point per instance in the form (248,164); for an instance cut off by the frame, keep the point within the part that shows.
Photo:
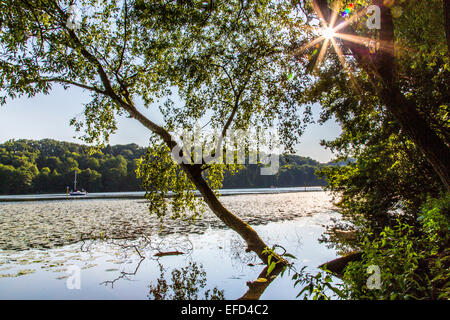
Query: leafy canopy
(227,64)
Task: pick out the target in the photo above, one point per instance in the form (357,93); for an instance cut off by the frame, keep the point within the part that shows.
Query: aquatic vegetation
(129,219)
(19,273)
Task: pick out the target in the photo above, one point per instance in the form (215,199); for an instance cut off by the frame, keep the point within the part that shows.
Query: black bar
(229,310)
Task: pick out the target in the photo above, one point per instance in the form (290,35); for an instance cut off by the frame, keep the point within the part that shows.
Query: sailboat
(76,192)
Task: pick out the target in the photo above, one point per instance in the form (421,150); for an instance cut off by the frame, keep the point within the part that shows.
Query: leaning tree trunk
(194,173)
(417,129)
(256,288)
(254,242)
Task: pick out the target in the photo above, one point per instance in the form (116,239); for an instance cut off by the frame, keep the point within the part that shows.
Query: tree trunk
(447,22)
(254,242)
(381,68)
(338,265)
(256,288)
(417,129)
(194,172)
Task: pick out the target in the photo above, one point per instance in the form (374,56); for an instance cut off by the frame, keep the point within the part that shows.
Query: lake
(40,249)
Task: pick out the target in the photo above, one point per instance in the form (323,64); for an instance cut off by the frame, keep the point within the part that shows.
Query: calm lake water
(140,194)
(116,269)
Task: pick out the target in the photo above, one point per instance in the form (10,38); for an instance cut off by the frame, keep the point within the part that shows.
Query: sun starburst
(329,32)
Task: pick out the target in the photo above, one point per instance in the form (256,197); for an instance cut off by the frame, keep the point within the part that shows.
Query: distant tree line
(46,166)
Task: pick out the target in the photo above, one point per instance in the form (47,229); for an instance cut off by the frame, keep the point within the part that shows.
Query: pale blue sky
(48,116)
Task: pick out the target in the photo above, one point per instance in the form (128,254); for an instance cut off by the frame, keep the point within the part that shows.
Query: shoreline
(141,194)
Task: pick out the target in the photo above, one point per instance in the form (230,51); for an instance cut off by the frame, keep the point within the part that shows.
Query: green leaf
(271,267)
(289,256)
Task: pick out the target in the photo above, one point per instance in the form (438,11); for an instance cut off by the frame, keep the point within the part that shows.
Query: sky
(48,116)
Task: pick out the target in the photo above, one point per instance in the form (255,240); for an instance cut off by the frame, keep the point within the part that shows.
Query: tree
(43,180)
(388,183)
(93,163)
(91,180)
(226,58)
(384,70)
(7,173)
(69,165)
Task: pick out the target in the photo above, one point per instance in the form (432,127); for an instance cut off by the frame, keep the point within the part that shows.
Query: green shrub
(413,260)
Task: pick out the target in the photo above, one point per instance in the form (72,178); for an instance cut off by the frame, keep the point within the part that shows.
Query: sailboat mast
(75,182)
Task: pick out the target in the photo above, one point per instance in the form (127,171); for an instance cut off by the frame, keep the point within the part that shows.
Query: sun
(328,33)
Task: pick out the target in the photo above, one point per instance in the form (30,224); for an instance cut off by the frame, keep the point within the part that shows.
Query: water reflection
(189,282)
(256,288)
(185,284)
(131,269)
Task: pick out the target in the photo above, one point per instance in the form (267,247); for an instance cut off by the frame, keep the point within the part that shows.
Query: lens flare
(331,34)
(328,33)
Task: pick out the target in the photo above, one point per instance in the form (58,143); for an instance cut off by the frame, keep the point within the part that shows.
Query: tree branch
(122,54)
(65,81)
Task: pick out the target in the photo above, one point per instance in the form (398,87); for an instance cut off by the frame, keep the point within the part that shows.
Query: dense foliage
(28,166)
(394,205)
(48,166)
(239,64)
(414,261)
